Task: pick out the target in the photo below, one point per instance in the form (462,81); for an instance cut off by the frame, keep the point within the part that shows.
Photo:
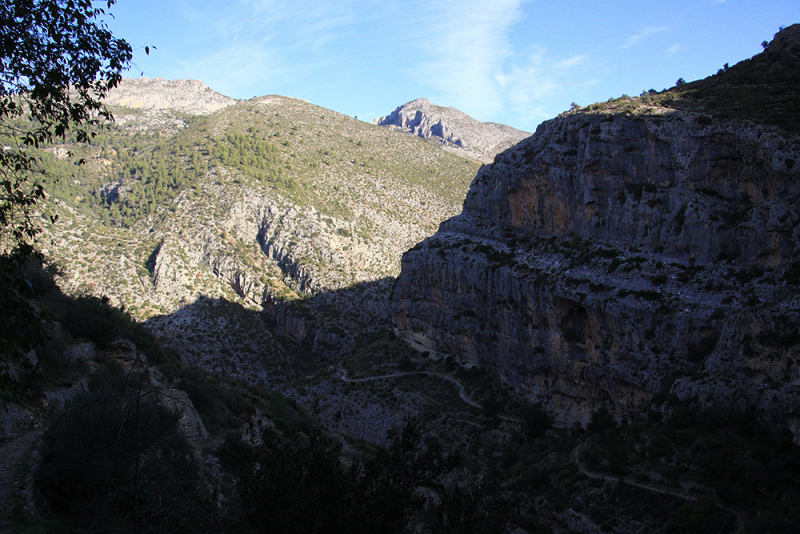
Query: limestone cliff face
(617,258)
(655,179)
(457,131)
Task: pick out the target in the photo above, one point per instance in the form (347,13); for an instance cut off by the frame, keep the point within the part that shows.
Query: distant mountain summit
(457,131)
(187,96)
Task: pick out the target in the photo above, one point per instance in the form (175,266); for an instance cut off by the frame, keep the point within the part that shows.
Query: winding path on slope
(341,374)
(575,456)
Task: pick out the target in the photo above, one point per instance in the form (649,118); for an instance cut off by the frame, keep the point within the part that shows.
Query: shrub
(659,279)
(537,421)
(792,274)
(296,482)
(704,120)
(114,458)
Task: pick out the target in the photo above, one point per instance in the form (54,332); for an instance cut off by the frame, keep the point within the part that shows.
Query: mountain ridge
(262,202)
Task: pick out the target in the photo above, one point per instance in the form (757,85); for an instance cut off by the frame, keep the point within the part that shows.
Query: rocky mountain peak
(457,131)
(187,96)
(419,102)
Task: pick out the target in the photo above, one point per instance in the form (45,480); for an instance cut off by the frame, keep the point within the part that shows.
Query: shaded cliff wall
(621,259)
(668,180)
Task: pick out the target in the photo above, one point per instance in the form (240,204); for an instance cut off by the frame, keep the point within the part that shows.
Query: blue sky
(515,62)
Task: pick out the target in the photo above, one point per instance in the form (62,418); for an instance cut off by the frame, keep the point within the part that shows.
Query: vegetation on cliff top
(764,88)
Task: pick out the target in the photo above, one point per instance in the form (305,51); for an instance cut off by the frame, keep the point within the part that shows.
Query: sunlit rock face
(620,258)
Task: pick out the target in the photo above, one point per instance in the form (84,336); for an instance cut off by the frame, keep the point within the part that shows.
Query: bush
(21,328)
(537,421)
(90,318)
(223,405)
(114,458)
(296,482)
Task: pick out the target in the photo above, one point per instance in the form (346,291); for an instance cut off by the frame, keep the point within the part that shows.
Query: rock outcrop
(457,131)
(186,96)
(620,258)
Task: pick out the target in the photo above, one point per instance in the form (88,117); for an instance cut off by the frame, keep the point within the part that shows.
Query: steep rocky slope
(264,203)
(625,253)
(455,130)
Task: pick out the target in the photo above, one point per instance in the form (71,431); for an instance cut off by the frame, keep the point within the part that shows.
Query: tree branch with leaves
(58,60)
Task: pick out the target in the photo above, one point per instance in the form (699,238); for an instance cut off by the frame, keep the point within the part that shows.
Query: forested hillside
(296,199)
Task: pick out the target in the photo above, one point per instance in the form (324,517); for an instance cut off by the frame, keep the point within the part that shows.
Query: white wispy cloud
(462,45)
(569,62)
(298,23)
(458,52)
(633,40)
(529,87)
(536,80)
(674,49)
(251,45)
(236,70)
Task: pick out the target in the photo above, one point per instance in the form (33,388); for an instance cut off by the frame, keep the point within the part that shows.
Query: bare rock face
(457,131)
(187,96)
(618,259)
(651,180)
